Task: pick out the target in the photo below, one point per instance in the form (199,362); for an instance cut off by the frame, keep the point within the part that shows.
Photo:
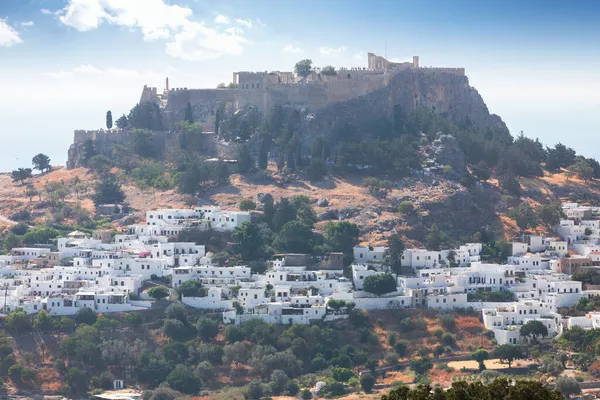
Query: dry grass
(489,364)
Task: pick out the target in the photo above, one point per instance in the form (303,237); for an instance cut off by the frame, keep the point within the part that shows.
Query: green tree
(378,187)
(122,122)
(21,174)
(340,236)
(41,162)
(279,381)
(31,192)
(303,68)
(248,241)
(254,390)
(421,365)
(64,324)
(500,388)
(393,255)
(550,213)
(11,240)
(510,184)
(247,205)
(233,334)
(294,237)
(559,157)
(77,380)
(238,352)
(533,329)
(367,381)
(316,170)
(183,380)
(435,238)
(18,322)
(524,216)
(134,318)
(582,169)
(480,355)
(109,120)
(191,288)
(188,115)
(217,120)
(191,137)
(508,353)
(245,161)
(207,328)
(204,372)
(263,151)
(406,208)
(86,315)
(380,284)
(108,191)
(481,171)
(568,386)
(158,292)
(43,322)
(145,115)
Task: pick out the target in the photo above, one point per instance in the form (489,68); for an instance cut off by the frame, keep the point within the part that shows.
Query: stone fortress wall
(267,89)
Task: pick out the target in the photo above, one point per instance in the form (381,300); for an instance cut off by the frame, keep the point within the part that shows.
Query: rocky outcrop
(407,91)
(446,151)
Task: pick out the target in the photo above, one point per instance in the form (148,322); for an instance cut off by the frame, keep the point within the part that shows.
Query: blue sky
(64,63)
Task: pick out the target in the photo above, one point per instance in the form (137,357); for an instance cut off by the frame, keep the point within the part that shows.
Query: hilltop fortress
(267,89)
(328,100)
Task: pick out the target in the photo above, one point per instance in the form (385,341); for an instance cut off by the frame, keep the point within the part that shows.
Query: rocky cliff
(441,93)
(409,91)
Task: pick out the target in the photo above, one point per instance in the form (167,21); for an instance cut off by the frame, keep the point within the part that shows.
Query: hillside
(347,197)
(376,334)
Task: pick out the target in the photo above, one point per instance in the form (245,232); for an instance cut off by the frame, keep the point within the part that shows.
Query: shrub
(158,292)
(391,358)
(306,394)
(406,208)
(367,381)
(438,333)
(448,322)
(247,205)
(391,339)
(448,339)
(342,374)
(423,351)
(380,284)
(401,348)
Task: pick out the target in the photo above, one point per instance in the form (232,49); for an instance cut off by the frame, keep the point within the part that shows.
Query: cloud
(222,19)
(46,11)
(196,42)
(326,51)
(288,48)
(185,38)
(8,36)
(27,23)
(88,70)
(82,15)
(245,22)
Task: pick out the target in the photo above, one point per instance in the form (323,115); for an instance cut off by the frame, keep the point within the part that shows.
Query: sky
(64,63)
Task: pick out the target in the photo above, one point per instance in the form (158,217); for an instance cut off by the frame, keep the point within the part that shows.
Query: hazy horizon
(65,63)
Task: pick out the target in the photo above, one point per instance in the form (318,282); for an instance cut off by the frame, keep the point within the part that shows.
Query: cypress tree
(217,121)
(189,116)
(109,121)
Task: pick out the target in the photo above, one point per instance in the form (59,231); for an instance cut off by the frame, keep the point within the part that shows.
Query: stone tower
(167,84)
(415,61)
